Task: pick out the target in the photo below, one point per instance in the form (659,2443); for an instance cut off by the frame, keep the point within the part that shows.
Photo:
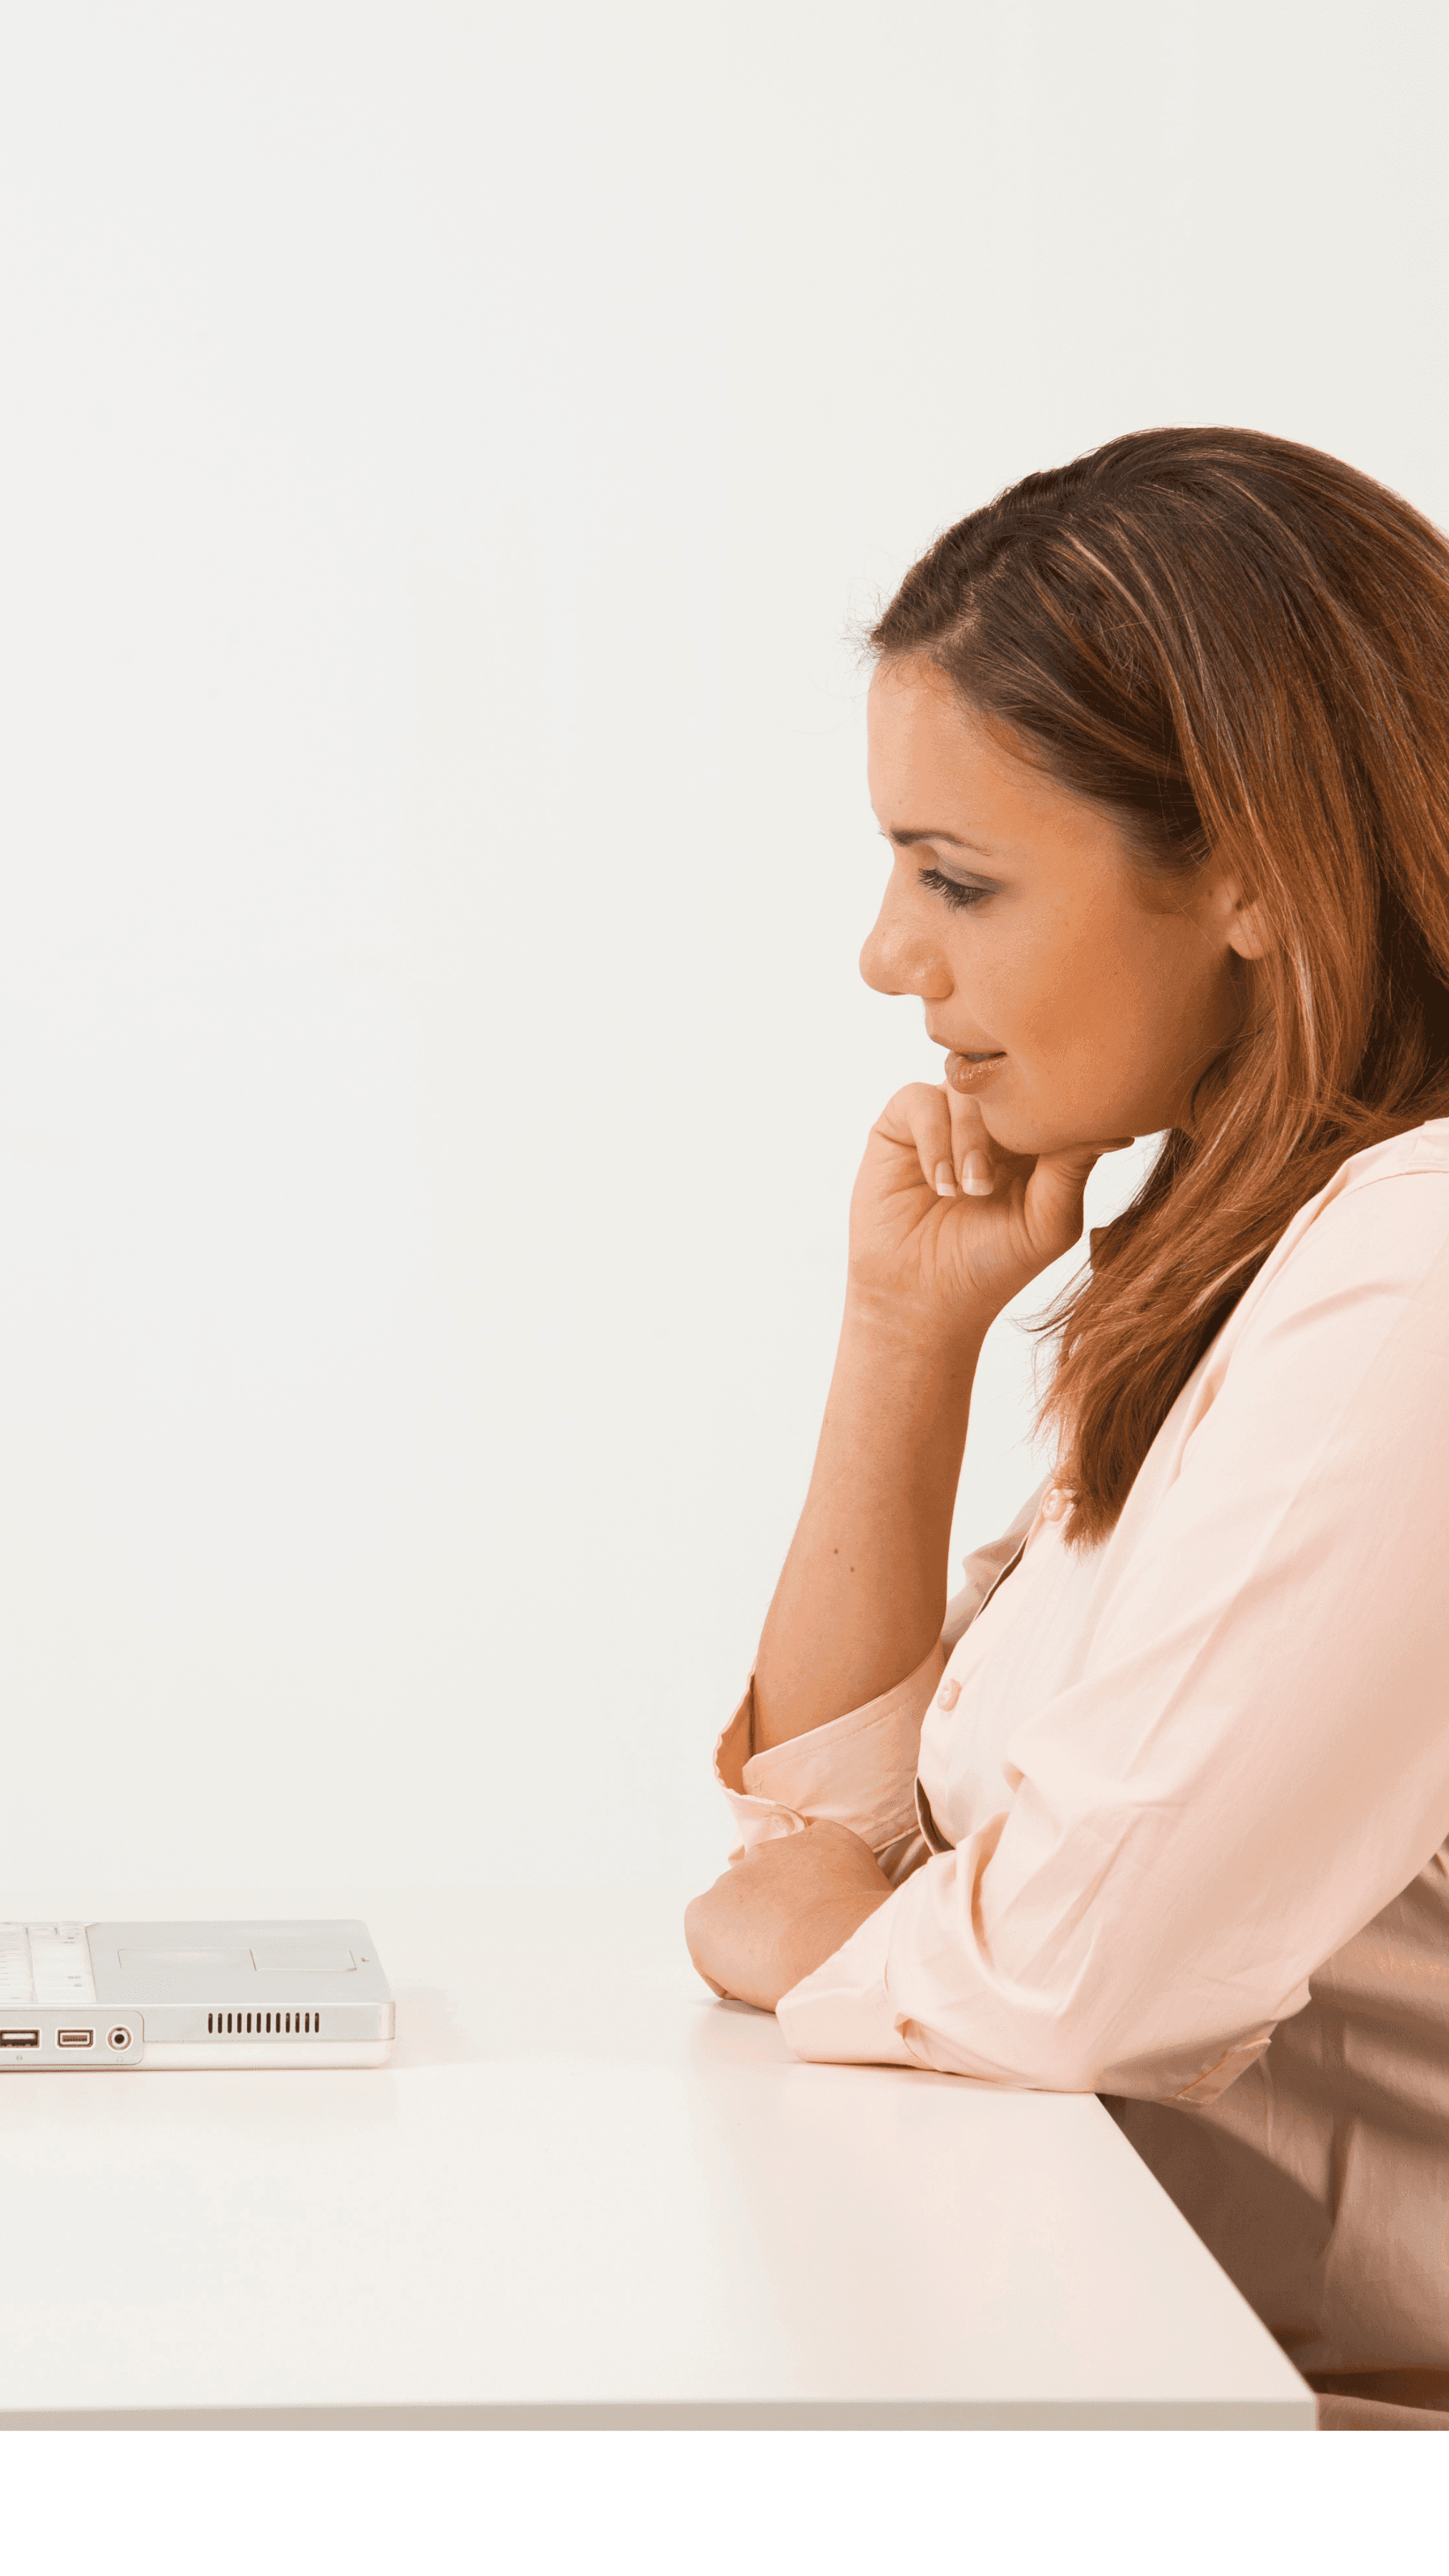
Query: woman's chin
(1030,1140)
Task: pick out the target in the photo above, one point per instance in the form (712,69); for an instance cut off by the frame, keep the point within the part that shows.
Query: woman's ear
(1241,919)
(1248,932)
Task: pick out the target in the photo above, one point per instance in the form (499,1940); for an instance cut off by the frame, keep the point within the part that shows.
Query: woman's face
(1015,911)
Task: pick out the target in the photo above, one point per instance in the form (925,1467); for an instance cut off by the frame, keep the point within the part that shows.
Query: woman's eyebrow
(907,840)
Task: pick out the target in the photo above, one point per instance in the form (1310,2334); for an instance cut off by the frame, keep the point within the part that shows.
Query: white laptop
(191,1994)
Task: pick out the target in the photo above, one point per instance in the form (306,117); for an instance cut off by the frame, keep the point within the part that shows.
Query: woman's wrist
(928,1334)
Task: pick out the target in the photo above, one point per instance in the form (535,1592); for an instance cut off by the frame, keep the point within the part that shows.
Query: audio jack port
(120,2037)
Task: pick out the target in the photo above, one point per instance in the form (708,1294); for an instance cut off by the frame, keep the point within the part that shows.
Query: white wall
(441,448)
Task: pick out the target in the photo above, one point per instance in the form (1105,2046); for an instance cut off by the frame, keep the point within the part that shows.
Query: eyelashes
(959,897)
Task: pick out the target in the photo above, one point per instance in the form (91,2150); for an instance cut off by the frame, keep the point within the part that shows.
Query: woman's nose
(897,959)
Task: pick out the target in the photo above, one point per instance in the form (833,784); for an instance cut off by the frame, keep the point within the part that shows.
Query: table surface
(586,2194)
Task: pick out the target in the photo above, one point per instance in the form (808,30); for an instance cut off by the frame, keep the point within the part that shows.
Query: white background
(443,449)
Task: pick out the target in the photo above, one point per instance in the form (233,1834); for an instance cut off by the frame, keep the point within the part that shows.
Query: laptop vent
(264,2025)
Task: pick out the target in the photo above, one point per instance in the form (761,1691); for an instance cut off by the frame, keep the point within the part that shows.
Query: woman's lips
(968,1072)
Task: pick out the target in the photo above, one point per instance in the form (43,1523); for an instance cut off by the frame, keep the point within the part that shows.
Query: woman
(1155,1806)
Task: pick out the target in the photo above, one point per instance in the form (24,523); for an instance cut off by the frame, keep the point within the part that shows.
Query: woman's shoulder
(1355,1291)
(1417,1153)
(1380,1225)
(1417,1149)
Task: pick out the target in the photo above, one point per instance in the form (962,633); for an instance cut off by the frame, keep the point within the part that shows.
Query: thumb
(1055,1192)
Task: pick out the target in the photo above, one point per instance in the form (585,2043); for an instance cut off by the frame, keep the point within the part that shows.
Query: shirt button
(1053,1504)
(949,1692)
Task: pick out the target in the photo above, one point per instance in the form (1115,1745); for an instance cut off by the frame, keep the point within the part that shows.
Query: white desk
(585,2194)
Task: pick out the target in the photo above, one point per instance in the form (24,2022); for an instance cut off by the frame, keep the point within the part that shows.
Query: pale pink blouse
(1165,1819)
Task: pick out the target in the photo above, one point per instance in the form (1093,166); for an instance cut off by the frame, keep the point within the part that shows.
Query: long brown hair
(1242,646)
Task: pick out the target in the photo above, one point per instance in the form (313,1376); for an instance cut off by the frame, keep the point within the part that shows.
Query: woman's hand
(782,1911)
(942,1219)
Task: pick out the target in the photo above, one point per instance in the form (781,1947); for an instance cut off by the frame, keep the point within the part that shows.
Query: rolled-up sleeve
(1253,1759)
(860,1769)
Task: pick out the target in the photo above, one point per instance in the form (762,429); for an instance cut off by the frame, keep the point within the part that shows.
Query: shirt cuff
(842,2012)
(859,1770)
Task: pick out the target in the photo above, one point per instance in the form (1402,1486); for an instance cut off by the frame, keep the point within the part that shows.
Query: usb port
(75,2039)
(19,2039)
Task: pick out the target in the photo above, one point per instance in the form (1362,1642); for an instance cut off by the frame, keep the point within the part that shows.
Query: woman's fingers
(920,1114)
(959,1158)
(971,1149)
(1057,1188)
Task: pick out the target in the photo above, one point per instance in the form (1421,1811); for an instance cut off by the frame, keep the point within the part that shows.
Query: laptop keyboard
(45,1963)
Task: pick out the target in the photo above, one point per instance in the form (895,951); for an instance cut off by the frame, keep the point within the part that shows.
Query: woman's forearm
(864,1586)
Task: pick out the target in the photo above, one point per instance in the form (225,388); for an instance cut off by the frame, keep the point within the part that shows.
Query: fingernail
(945,1181)
(976,1177)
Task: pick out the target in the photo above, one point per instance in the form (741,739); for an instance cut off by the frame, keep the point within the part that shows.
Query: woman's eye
(958,896)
